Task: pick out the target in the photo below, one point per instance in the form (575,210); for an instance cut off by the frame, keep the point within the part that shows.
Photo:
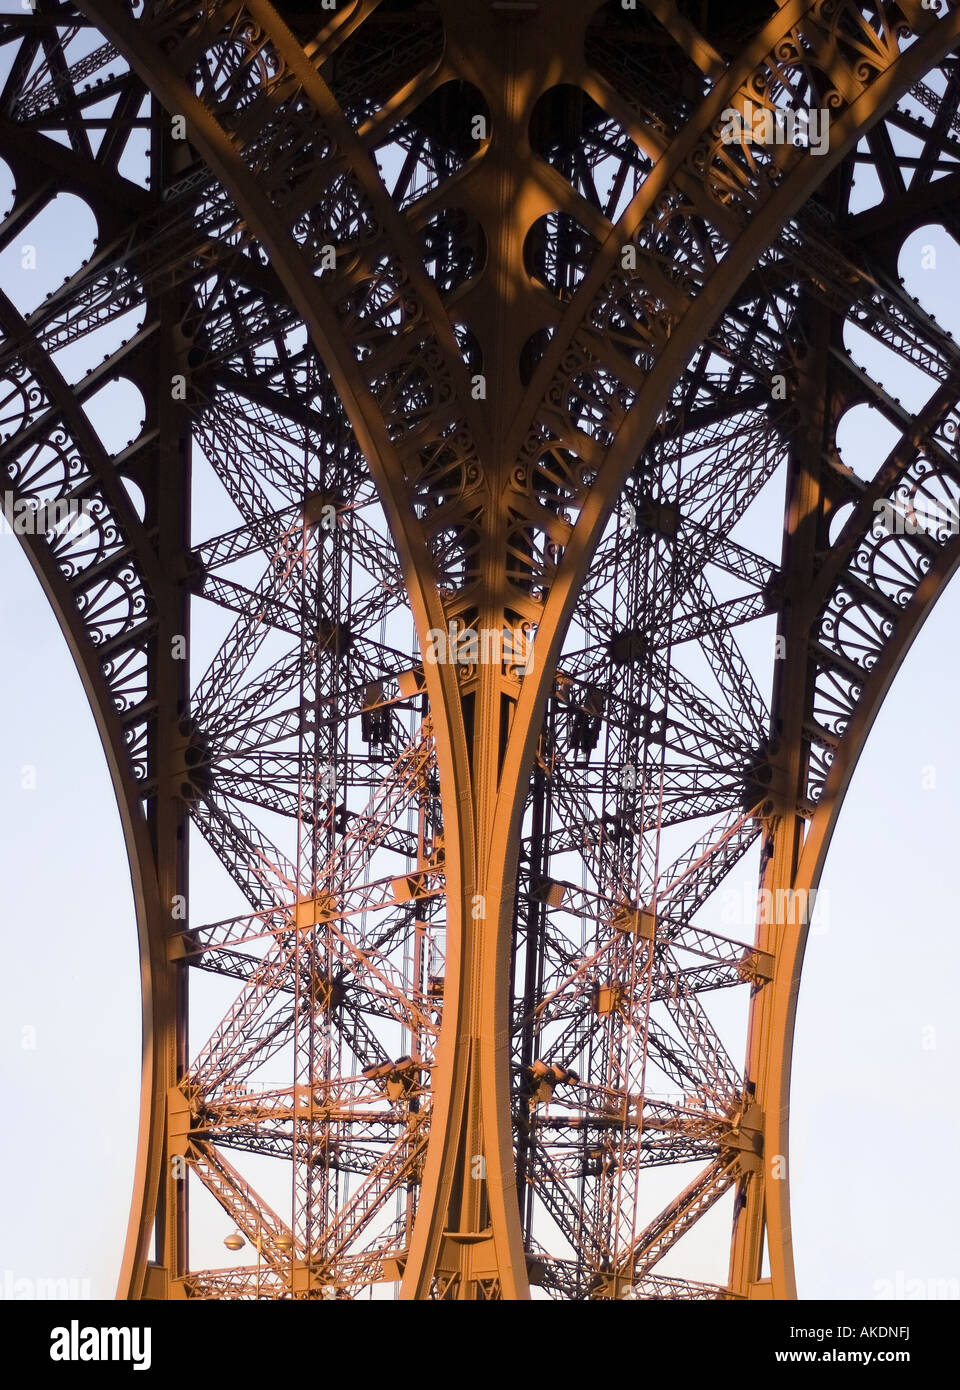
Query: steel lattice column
(518,244)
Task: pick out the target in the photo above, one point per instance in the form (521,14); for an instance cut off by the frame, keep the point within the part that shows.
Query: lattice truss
(304,750)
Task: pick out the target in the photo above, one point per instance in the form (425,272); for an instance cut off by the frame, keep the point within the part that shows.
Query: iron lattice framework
(475,317)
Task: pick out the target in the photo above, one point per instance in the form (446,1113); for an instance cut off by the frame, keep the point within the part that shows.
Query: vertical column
(169,462)
(762,1201)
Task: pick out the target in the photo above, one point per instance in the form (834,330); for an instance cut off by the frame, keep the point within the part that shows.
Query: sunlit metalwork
(469,343)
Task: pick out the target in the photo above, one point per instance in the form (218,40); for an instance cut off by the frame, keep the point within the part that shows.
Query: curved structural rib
(564,328)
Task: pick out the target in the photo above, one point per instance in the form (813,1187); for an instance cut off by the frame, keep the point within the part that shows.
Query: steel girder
(544,303)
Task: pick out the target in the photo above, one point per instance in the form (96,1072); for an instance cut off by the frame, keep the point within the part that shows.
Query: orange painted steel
(552,451)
